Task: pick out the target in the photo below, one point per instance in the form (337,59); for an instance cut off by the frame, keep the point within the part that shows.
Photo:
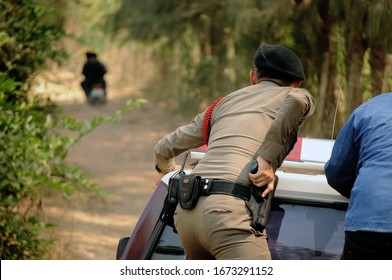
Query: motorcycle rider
(94,72)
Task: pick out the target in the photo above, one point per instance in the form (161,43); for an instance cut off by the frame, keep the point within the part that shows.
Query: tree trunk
(324,115)
(378,59)
(354,82)
(323,88)
(387,74)
(356,46)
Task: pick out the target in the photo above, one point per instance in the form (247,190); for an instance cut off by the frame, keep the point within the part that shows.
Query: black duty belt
(214,186)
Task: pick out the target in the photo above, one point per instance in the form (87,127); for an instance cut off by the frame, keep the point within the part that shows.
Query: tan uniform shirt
(261,119)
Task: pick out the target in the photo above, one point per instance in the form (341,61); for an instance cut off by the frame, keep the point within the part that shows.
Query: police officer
(260,122)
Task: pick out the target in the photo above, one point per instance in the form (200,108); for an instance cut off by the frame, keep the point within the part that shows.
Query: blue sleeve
(341,169)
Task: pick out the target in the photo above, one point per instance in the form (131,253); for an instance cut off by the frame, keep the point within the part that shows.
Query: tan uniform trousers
(219,228)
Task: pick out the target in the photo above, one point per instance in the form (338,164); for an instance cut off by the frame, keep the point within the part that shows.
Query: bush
(30,33)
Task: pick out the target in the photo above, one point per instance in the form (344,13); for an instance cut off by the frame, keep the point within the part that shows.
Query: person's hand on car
(264,176)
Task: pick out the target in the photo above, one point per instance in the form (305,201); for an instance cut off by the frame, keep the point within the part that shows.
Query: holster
(189,191)
(170,203)
(260,207)
(171,199)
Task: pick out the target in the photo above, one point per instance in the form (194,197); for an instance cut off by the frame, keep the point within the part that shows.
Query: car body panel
(141,236)
(306,220)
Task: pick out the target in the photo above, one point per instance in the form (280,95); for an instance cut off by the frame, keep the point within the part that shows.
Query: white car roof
(301,176)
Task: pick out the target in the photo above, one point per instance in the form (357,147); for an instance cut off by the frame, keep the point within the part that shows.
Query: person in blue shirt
(360,168)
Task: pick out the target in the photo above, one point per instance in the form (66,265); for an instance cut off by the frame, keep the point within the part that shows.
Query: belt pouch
(170,203)
(189,190)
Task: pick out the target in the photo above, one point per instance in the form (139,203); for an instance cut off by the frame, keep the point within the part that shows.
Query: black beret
(278,62)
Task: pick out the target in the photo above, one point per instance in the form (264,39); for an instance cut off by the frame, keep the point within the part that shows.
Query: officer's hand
(264,176)
(160,175)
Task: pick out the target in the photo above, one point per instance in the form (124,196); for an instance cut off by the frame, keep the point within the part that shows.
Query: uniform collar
(269,83)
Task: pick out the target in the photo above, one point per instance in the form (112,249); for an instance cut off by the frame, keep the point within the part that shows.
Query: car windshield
(295,232)
(305,232)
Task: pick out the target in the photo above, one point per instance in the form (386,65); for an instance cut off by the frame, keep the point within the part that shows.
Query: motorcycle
(97,94)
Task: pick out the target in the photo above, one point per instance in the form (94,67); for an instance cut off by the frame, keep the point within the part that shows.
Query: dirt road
(118,157)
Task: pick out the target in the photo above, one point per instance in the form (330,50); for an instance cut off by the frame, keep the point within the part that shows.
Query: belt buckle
(206,186)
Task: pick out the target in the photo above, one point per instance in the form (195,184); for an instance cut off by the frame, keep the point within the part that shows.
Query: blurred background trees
(195,51)
(204,49)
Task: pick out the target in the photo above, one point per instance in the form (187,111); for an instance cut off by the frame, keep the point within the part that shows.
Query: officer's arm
(280,138)
(182,139)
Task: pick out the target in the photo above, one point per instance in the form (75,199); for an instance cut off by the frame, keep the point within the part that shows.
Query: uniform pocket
(223,211)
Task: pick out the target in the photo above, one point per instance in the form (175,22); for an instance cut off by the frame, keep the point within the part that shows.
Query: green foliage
(35,139)
(29,34)
(20,236)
